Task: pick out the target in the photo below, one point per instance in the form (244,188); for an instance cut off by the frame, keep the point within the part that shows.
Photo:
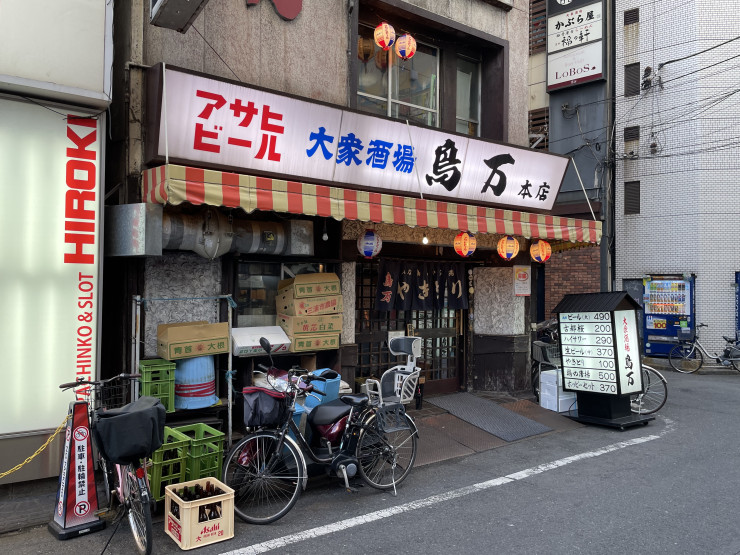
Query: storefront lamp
(508,247)
(464,244)
(406,47)
(540,251)
(369,243)
(385,36)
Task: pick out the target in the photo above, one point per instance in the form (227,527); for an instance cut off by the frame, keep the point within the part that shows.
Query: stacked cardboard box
(309,309)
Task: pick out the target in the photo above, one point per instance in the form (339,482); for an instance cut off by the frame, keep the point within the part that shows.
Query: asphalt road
(668,487)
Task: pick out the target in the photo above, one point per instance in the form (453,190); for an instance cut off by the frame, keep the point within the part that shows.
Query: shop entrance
(442,355)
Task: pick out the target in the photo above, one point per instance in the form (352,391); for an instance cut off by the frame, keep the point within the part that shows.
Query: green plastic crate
(169,462)
(206,454)
(158,380)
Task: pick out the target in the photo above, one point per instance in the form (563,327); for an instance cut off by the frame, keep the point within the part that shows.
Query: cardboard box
(246,341)
(318,342)
(311,285)
(310,306)
(192,339)
(182,522)
(297,325)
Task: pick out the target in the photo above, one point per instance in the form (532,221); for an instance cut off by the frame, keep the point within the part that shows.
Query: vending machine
(669,312)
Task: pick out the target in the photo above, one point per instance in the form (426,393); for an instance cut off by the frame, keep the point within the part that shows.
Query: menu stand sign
(600,353)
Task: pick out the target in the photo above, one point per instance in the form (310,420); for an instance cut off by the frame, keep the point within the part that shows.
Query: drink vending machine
(669,312)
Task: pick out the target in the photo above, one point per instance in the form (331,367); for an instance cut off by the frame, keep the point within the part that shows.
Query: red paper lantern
(540,251)
(406,47)
(385,36)
(508,247)
(464,244)
(369,243)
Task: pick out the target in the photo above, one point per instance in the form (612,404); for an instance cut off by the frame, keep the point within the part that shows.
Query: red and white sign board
(575,66)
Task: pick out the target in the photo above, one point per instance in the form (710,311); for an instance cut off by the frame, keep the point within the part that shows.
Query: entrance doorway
(442,331)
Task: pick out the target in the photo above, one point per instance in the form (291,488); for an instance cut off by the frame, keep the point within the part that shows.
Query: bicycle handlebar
(81,382)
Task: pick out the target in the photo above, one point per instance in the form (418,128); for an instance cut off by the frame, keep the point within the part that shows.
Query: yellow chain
(44,446)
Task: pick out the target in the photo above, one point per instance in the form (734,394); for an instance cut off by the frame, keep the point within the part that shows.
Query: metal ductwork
(212,234)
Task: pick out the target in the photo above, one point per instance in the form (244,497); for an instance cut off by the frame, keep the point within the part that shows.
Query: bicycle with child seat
(688,355)
(125,481)
(368,433)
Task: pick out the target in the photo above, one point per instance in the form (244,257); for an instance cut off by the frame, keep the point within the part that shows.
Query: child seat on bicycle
(130,433)
(397,384)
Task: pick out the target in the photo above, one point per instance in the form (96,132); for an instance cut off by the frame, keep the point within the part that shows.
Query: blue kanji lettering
(348,148)
(319,140)
(403,158)
(377,153)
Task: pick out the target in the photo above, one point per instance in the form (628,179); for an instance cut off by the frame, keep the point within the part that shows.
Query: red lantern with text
(369,243)
(508,247)
(406,47)
(540,251)
(385,36)
(464,244)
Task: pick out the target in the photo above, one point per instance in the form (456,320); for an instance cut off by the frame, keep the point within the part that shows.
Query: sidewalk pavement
(442,437)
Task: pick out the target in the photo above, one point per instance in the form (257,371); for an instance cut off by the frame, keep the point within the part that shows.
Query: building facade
(676,164)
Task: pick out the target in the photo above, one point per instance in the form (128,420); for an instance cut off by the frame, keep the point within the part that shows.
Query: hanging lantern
(508,247)
(385,36)
(365,49)
(540,251)
(464,244)
(369,243)
(406,47)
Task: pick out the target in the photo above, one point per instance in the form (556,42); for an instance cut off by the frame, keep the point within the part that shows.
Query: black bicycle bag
(132,432)
(264,407)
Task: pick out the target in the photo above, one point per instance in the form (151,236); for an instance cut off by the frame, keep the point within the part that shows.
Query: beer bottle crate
(169,462)
(206,452)
(182,522)
(158,380)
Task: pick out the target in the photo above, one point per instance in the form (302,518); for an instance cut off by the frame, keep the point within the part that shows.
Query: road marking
(319,531)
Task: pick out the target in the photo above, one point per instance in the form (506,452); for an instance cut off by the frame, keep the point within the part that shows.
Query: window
(631,197)
(632,133)
(539,121)
(537,26)
(632,79)
(392,87)
(468,97)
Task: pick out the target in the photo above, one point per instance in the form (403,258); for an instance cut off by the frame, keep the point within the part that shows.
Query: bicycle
(654,395)
(688,355)
(124,441)
(545,356)
(267,468)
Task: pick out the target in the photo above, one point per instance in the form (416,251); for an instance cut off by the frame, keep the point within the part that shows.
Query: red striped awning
(172,184)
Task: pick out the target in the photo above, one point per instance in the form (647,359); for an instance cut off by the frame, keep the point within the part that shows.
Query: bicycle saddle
(330,412)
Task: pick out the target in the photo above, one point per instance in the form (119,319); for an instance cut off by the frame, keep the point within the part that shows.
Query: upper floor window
(467,113)
(392,87)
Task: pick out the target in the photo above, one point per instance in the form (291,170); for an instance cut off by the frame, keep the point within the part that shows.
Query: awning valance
(175,184)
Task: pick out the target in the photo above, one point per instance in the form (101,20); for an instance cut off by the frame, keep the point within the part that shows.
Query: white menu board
(600,352)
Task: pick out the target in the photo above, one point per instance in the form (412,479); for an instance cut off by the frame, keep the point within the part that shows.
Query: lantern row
(370,243)
(385,37)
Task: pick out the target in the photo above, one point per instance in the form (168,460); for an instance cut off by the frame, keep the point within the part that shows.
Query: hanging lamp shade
(385,36)
(464,244)
(406,47)
(369,243)
(540,251)
(508,247)
(365,49)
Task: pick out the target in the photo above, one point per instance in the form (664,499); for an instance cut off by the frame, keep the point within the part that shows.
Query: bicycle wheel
(386,458)
(108,481)
(685,358)
(136,498)
(266,482)
(655,395)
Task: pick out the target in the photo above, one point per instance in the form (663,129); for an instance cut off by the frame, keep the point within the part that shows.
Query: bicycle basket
(130,433)
(114,395)
(264,407)
(685,334)
(553,353)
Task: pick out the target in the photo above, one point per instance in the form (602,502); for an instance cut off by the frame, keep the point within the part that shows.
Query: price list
(588,352)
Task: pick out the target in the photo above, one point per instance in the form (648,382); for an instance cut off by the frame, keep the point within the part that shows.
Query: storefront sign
(600,352)
(224,124)
(575,66)
(574,28)
(408,285)
(522,281)
(50,166)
